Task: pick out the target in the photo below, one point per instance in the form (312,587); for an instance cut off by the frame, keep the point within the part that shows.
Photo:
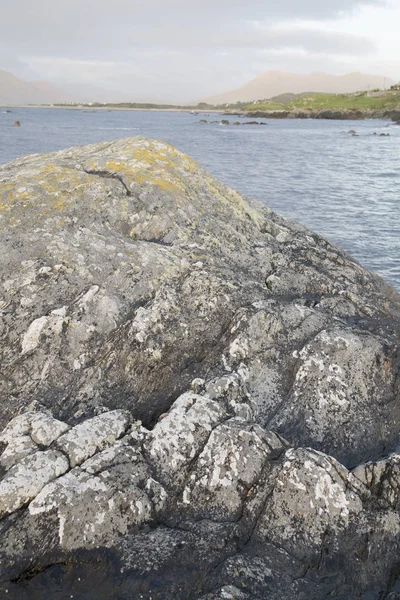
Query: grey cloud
(144,46)
(325,42)
(246,36)
(94,27)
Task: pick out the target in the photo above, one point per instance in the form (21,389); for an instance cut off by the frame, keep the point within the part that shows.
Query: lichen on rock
(199,398)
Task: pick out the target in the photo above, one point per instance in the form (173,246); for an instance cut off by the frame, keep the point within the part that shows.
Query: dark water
(345,188)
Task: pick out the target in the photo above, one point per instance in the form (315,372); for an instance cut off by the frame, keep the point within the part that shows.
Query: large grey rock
(199,399)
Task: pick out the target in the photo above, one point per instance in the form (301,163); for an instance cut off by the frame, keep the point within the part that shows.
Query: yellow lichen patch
(6,193)
(49,185)
(49,191)
(149,163)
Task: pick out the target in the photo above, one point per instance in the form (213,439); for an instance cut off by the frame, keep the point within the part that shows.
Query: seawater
(313,171)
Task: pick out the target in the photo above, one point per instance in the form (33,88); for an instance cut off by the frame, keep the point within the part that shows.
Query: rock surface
(199,398)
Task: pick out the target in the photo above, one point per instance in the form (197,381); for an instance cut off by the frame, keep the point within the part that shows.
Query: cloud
(178,49)
(260,36)
(95,27)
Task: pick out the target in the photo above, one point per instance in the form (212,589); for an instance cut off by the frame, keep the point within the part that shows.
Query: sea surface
(347,188)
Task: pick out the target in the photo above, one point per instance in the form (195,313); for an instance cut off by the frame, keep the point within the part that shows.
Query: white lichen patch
(315,492)
(239,348)
(389,522)
(177,438)
(25,432)
(150,319)
(84,440)
(85,300)
(91,509)
(119,453)
(108,494)
(25,480)
(41,426)
(231,389)
(335,377)
(228,467)
(96,310)
(45,429)
(31,338)
(46,325)
(16,450)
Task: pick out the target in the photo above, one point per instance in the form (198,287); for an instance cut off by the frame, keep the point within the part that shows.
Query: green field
(314,101)
(287,102)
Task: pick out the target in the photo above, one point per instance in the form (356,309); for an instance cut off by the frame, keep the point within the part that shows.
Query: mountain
(274,83)
(16,91)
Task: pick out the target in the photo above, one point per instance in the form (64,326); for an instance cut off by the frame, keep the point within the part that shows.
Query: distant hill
(16,91)
(276,83)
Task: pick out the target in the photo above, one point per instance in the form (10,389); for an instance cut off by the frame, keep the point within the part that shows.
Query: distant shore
(114,108)
(329,114)
(338,115)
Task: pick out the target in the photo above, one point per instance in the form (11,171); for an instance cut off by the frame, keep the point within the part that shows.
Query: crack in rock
(107,175)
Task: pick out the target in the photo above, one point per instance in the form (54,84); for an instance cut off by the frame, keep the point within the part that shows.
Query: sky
(182,51)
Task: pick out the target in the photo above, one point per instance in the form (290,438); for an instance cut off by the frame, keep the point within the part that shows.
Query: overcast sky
(179,50)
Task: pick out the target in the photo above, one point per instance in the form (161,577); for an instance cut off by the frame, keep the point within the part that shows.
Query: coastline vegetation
(314,101)
(374,100)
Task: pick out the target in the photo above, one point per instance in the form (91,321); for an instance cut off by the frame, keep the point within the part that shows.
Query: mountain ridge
(274,83)
(14,91)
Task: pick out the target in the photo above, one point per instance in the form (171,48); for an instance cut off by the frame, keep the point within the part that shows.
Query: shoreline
(329,114)
(113,108)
